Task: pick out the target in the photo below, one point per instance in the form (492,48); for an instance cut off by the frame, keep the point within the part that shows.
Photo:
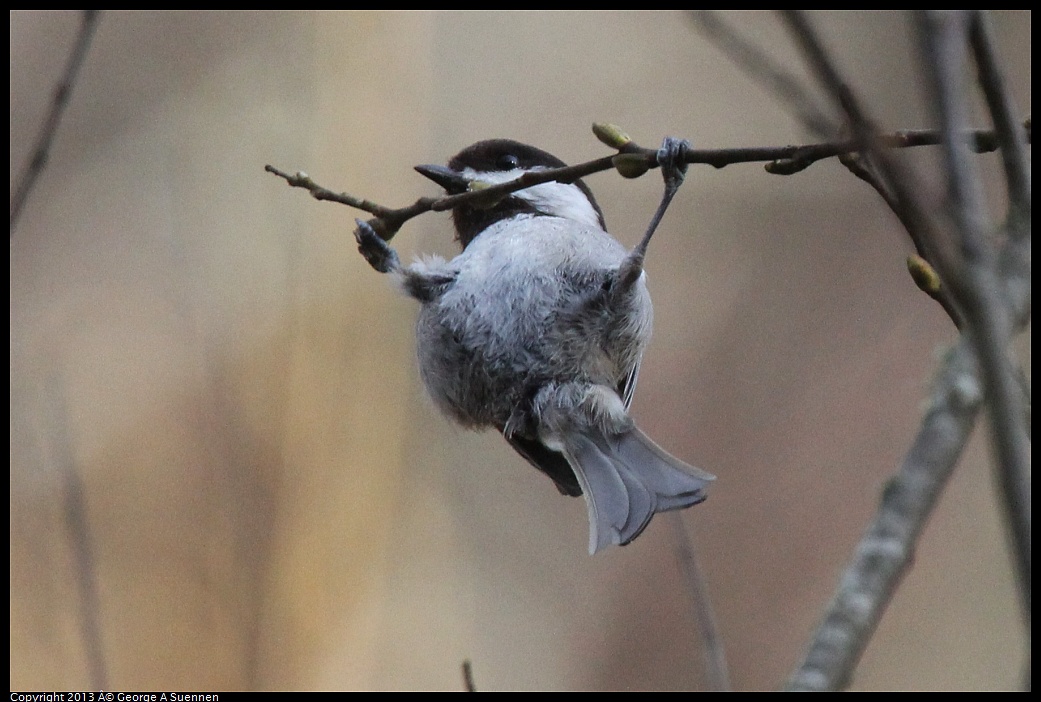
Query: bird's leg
(425,282)
(672,157)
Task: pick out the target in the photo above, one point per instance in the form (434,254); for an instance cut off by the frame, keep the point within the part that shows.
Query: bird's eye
(507,162)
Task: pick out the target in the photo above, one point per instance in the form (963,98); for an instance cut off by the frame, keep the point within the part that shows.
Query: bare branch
(388,221)
(871,578)
(919,267)
(977,284)
(631,161)
(886,550)
(468,677)
(1013,148)
(78,531)
(41,152)
(318,192)
(715,654)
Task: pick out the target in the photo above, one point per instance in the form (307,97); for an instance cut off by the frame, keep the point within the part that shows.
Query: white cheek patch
(556,199)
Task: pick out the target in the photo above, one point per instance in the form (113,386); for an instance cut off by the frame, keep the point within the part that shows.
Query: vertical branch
(715,655)
(468,677)
(77,526)
(976,282)
(27,180)
(983,283)
(1006,124)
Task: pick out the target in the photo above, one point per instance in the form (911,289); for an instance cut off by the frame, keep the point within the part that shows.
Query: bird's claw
(672,157)
(376,251)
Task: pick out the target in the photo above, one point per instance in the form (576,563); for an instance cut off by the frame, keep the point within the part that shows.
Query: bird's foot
(376,251)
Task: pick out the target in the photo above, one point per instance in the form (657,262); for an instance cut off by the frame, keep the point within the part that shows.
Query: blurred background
(225,473)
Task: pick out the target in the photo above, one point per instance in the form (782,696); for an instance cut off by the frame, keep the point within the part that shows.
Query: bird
(537,328)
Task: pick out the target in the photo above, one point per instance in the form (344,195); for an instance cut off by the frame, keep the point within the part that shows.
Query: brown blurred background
(207,376)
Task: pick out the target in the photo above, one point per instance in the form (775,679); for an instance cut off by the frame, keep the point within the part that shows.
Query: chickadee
(537,329)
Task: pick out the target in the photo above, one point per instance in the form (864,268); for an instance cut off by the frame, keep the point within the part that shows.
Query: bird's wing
(628,384)
(550,462)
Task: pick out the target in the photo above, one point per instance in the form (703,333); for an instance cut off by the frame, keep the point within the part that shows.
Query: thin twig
(977,284)
(1013,145)
(878,563)
(759,66)
(903,189)
(77,526)
(41,152)
(716,671)
(858,165)
(780,160)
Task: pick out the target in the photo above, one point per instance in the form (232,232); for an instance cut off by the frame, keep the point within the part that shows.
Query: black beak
(452,182)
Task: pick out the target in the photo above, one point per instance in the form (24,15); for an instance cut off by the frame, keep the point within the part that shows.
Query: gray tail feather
(626,479)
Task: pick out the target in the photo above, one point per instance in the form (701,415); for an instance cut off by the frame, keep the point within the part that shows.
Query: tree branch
(631,161)
(78,530)
(41,152)
(886,550)
(922,272)
(1013,146)
(884,553)
(716,670)
(976,282)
